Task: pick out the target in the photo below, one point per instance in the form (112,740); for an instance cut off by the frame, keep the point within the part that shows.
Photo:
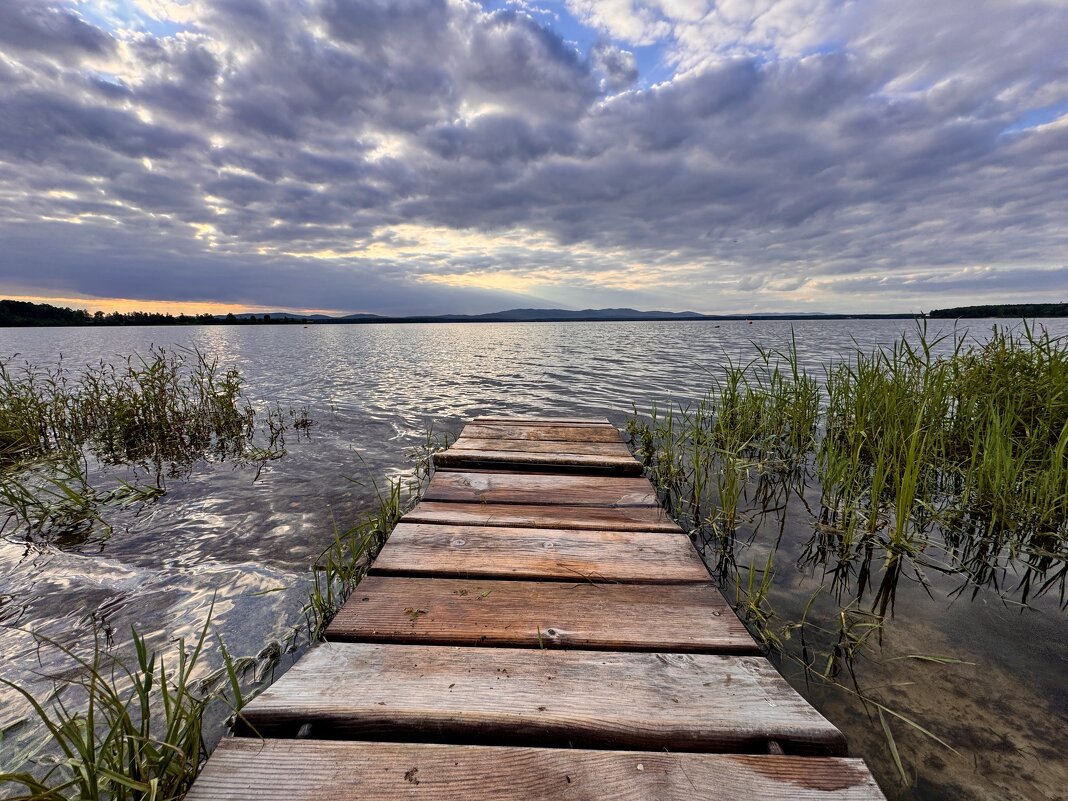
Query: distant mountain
(524,316)
(278,315)
(530,315)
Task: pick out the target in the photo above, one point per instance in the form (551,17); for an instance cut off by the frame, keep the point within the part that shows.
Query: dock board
(678,702)
(310,770)
(540,554)
(543,421)
(536,604)
(542,432)
(616,450)
(582,615)
(523,488)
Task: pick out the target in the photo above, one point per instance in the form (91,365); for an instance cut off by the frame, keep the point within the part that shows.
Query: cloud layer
(436,155)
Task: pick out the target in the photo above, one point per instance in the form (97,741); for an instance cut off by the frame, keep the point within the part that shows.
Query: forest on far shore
(23,313)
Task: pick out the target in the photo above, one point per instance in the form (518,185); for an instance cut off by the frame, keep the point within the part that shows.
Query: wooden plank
(542,421)
(605,433)
(538,488)
(316,770)
(618,518)
(515,696)
(539,554)
(603,617)
(617,449)
(555,462)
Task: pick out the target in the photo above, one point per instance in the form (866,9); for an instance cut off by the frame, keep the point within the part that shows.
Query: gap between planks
(620,518)
(455,458)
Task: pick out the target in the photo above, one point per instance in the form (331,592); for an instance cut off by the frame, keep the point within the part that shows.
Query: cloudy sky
(422,156)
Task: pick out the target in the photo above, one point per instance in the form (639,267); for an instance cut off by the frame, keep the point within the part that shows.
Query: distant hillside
(1016,310)
(274,316)
(531,315)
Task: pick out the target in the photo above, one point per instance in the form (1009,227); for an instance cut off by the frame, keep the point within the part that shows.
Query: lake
(221,535)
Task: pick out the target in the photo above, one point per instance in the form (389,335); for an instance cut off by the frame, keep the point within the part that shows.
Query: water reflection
(373,391)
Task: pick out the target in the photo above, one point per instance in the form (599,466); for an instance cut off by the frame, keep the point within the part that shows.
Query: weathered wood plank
(541,554)
(315,770)
(542,421)
(616,518)
(576,614)
(555,433)
(555,462)
(513,696)
(616,449)
(528,488)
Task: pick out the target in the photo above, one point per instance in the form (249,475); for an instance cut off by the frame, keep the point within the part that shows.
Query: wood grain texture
(315,770)
(612,449)
(554,433)
(457,458)
(604,617)
(527,488)
(542,421)
(517,553)
(618,518)
(512,696)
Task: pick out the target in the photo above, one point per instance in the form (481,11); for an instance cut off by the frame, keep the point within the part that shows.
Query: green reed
(930,454)
(166,407)
(928,451)
(122,733)
(157,414)
(139,734)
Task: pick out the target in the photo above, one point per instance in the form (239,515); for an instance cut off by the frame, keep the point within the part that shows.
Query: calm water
(373,391)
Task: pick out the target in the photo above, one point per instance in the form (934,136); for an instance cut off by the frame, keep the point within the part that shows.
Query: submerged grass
(139,734)
(930,454)
(155,415)
(119,733)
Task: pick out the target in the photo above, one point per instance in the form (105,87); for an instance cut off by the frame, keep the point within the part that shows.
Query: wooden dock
(536,628)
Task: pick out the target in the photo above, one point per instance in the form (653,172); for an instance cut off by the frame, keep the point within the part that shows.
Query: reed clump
(931,454)
(156,414)
(931,449)
(122,733)
(140,733)
(163,407)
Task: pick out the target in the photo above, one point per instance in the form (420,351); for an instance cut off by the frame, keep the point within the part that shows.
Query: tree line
(1017,310)
(24,313)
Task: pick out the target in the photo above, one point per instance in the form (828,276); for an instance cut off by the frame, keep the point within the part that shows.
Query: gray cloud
(269,154)
(29,25)
(619,67)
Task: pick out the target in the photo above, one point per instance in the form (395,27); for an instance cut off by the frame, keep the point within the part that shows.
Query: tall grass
(158,414)
(166,407)
(118,733)
(139,733)
(929,454)
(929,450)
